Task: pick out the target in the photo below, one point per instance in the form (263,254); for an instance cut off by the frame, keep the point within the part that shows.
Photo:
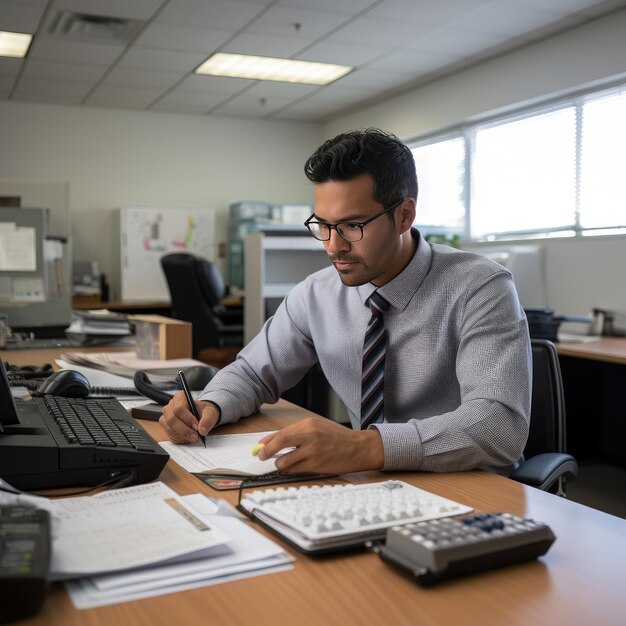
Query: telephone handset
(156,393)
(198,377)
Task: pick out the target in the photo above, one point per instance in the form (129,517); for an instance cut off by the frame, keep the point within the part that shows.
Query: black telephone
(197,376)
(33,378)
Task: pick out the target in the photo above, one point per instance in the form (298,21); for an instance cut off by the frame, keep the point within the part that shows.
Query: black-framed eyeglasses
(350,231)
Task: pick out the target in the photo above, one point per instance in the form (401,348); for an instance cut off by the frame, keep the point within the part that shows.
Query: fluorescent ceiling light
(14,44)
(268,68)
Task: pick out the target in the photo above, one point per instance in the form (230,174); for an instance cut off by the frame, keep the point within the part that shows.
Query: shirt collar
(400,290)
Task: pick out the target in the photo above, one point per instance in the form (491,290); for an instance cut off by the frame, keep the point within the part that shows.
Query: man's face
(377,257)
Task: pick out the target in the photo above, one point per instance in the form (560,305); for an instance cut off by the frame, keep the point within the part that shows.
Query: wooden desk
(579,581)
(605,349)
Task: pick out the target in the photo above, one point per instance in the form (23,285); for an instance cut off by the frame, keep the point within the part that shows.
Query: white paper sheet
(249,554)
(224,454)
(126,528)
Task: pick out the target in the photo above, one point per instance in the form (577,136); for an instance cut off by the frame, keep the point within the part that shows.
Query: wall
(113,158)
(580,273)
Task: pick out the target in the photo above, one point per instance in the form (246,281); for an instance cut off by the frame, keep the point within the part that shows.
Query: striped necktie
(373,371)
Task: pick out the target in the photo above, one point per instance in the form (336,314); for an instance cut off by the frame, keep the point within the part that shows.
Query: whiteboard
(148,233)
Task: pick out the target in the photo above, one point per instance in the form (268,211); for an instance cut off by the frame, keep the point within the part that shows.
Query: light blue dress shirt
(457,365)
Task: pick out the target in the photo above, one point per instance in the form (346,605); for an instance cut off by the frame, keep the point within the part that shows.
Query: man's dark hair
(367,151)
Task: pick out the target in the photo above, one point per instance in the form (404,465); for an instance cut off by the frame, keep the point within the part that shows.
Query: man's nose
(336,243)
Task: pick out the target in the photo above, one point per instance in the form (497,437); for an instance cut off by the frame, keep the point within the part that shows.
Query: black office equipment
(24,561)
(437,550)
(56,442)
(66,383)
(196,288)
(544,324)
(547,465)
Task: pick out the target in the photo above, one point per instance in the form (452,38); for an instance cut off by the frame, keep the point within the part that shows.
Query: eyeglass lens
(350,232)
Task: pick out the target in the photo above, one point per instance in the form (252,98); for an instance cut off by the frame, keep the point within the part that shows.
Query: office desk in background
(605,350)
(579,581)
(118,306)
(594,381)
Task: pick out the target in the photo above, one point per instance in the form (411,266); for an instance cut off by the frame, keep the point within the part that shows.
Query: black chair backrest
(211,282)
(195,286)
(547,414)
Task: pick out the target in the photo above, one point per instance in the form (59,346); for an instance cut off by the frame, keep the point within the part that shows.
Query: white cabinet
(273,266)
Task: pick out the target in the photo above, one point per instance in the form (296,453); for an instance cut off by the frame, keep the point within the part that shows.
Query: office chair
(196,288)
(547,466)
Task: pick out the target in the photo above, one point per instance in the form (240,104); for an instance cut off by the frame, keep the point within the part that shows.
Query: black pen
(190,402)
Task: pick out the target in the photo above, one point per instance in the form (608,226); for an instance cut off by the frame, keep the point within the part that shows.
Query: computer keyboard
(88,422)
(321,518)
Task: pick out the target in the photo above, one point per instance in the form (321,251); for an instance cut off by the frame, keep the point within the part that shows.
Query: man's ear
(407,214)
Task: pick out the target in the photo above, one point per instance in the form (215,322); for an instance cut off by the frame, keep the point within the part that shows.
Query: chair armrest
(543,470)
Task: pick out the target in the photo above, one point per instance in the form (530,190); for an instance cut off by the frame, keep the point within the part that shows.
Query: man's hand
(180,424)
(324,447)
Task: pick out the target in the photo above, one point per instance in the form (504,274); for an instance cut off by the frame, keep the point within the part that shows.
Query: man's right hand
(180,424)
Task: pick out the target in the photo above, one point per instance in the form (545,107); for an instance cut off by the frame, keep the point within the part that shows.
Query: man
(453,341)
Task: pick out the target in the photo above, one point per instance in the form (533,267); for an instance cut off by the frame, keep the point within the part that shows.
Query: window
(524,174)
(548,171)
(441,203)
(602,197)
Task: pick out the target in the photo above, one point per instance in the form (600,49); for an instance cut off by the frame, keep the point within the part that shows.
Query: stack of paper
(146,540)
(127,363)
(97,326)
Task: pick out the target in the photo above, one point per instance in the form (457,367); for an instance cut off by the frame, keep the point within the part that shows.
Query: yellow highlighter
(257,448)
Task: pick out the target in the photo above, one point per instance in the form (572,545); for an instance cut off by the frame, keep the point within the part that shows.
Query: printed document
(224,455)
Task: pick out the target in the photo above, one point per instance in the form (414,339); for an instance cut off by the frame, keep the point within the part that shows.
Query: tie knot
(377,304)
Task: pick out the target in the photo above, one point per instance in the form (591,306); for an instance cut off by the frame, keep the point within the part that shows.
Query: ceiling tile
(9,67)
(51,90)
(456,43)
(273,89)
(373,80)
(122,77)
(133,9)
(19,18)
(29,3)
(167,60)
(342,53)
(252,106)
(188,101)
(426,14)
(504,20)
(281,21)
(262,45)
(186,38)
(346,7)
(378,32)
(214,84)
(73,72)
(6,84)
(220,14)
(408,63)
(123,96)
(51,49)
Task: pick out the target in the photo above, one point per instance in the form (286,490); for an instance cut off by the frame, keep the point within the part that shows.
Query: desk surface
(607,349)
(579,581)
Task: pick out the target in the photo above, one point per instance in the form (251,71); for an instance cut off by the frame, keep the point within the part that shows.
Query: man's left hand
(325,447)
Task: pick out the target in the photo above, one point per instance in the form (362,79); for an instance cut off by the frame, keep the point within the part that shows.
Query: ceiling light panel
(268,68)
(14,45)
